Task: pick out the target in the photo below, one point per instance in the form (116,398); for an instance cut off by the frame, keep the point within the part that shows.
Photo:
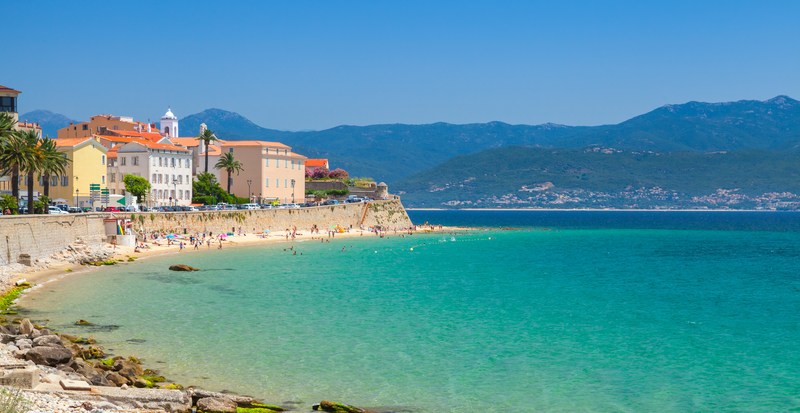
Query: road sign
(94,187)
(121,201)
(104,191)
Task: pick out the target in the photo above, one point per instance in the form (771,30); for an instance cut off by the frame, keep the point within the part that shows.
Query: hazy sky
(296,65)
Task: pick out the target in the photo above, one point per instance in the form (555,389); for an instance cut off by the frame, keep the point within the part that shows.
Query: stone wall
(389,214)
(40,236)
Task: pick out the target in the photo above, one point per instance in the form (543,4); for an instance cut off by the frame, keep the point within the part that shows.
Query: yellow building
(101,124)
(87,166)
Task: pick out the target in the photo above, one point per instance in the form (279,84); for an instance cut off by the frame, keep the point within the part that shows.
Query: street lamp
(292,190)
(175,191)
(76,197)
(250,194)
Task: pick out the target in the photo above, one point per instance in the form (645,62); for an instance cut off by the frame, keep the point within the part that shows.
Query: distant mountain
(608,178)
(395,151)
(49,121)
(227,125)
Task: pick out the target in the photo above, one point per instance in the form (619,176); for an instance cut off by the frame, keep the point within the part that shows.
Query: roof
(8,89)
(144,142)
(256,143)
(151,136)
(214,150)
(69,142)
(112,153)
(317,163)
(297,155)
(187,142)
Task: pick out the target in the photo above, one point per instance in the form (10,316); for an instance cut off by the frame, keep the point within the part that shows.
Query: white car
(56,210)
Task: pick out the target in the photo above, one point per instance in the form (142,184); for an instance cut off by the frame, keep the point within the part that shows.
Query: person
(7,211)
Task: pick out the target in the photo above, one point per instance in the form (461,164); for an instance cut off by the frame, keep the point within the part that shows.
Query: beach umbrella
(171,236)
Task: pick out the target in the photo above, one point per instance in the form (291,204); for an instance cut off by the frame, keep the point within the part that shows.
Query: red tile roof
(316,163)
(256,143)
(151,136)
(8,89)
(69,142)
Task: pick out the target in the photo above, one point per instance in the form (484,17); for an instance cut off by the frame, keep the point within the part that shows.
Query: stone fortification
(25,238)
(387,214)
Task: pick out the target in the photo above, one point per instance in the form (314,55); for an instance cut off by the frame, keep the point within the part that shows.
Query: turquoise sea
(564,312)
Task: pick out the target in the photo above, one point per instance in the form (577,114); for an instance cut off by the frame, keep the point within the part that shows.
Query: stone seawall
(28,238)
(387,214)
(40,236)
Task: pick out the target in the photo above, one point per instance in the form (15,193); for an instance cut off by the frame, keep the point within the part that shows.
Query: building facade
(101,124)
(271,171)
(167,167)
(8,104)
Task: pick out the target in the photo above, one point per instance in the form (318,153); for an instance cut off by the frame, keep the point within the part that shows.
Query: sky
(312,65)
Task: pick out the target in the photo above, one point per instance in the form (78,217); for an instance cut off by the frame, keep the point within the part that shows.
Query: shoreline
(594,210)
(58,271)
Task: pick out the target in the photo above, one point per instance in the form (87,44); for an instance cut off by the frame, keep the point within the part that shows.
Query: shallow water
(493,321)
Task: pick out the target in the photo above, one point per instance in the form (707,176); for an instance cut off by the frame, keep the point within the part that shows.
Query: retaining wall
(40,236)
(388,214)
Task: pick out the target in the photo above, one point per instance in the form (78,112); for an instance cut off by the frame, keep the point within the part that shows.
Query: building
(167,167)
(313,164)
(8,104)
(198,150)
(87,166)
(271,171)
(102,124)
(169,125)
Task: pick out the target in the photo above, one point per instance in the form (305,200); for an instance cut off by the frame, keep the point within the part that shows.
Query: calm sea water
(579,311)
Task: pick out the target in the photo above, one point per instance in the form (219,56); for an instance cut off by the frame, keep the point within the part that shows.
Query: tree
(206,190)
(11,151)
(30,160)
(339,173)
(53,163)
(137,186)
(320,173)
(230,165)
(207,137)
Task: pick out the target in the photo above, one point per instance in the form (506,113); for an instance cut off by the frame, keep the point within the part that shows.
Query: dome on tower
(169,114)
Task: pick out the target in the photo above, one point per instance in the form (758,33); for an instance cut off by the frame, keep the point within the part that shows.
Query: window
(65,180)
(267,185)
(180,194)
(267,164)
(277,183)
(180,179)
(160,178)
(85,127)
(188,194)
(160,194)
(285,183)
(230,150)
(160,159)
(135,161)
(154,180)
(173,162)
(112,177)
(102,160)
(122,161)
(53,181)
(187,163)
(187,179)
(286,163)
(103,179)
(8,104)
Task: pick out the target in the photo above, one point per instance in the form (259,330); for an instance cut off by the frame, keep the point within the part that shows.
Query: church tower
(169,125)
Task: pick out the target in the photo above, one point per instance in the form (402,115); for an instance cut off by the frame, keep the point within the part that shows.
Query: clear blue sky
(296,65)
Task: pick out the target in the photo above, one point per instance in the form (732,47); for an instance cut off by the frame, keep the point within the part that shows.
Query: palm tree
(8,134)
(19,153)
(230,165)
(207,136)
(30,160)
(53,163)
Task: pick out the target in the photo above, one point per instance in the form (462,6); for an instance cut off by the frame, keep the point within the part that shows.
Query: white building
(166,166)
(169,125)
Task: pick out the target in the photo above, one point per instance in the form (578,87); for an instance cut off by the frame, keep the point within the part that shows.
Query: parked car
(63,207)
(191,208)
(56,210)
(111,209)
(249,206)
(74,210)
(267,206)
(331,202)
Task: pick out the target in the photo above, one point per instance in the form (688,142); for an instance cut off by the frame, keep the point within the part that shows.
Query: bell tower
(169,124)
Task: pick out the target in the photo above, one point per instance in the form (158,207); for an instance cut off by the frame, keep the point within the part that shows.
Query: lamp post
(250,194)
(175,191)
(292,190)
(76,197)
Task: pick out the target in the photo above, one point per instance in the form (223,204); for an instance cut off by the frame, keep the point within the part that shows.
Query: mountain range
(397,153)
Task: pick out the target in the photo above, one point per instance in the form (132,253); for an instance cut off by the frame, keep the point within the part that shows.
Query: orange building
(104,124)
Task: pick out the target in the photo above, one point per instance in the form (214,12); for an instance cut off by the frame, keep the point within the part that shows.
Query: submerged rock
(182,267)
(334,407)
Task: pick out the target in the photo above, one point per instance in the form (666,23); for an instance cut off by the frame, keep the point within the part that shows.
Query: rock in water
(26,327)
(334,407)
(182,267)
(216,405)
(51,340)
